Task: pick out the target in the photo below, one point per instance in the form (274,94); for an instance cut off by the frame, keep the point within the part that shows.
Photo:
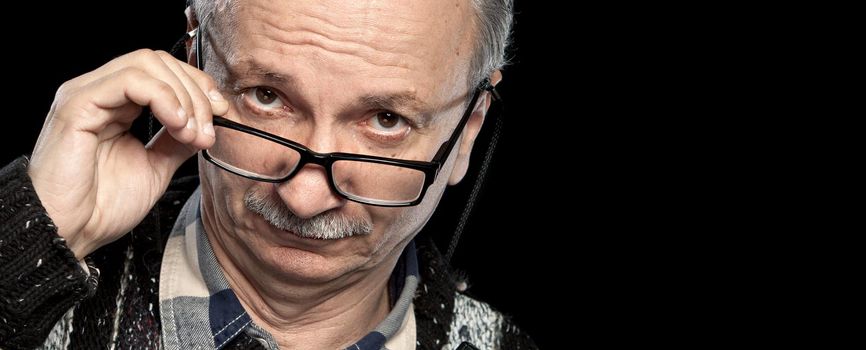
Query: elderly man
(326,131)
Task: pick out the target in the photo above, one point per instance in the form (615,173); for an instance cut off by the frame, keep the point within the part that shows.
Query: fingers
(115,92)
(202,114)
(206,84)
(195,93)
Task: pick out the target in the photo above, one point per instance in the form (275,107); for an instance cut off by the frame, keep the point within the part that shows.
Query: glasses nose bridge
(309,156)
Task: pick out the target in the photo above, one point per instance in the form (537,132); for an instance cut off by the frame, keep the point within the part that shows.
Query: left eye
(388,122)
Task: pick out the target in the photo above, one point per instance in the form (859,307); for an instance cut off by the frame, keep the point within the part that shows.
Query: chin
(301,265)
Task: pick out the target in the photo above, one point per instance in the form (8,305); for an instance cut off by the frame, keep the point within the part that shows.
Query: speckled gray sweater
(48,300)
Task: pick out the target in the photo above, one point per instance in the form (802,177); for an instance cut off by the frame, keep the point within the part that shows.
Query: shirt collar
(198,309)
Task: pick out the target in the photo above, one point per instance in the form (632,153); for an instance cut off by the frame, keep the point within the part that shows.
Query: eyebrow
(253,68)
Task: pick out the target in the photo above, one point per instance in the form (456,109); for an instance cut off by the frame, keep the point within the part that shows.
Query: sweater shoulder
(447,317)
(481,325)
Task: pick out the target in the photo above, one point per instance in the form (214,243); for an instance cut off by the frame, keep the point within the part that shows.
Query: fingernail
(190,124)
(215,96)
(181,113)
(208,129)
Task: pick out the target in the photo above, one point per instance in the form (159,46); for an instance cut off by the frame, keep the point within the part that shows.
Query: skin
(310,294)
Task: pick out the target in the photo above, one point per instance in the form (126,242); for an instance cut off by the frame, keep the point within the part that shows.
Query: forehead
(424,42)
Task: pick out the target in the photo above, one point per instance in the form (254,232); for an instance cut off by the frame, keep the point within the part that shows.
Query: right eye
(263,98)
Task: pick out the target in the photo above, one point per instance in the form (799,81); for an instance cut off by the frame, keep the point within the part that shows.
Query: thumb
(166,155)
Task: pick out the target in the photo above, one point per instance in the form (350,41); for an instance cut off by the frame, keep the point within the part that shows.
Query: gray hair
(493,18)
(494,35)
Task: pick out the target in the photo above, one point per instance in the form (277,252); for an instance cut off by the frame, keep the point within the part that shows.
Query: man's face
(385,78)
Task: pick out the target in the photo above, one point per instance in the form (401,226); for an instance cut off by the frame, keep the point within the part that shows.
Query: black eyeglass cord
(180,44)
(479,181)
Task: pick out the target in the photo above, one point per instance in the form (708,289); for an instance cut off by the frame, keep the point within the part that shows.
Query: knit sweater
(47,298)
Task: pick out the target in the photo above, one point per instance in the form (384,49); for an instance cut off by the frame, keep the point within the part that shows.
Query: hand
(94,178)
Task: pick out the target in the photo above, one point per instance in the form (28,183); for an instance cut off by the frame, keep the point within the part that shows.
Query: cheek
(394,227)
(227,192)
(400,224)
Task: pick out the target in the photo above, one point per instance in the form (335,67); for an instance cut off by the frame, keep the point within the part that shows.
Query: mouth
(307,238)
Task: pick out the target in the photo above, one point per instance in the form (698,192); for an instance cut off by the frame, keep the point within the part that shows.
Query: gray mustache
(328,225)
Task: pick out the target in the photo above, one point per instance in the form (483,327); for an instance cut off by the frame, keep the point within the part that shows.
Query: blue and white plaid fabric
(198,310)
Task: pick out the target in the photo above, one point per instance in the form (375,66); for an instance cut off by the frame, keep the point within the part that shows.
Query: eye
(388,122)
(264,98)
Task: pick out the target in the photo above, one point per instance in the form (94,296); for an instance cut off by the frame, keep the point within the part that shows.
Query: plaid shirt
(199,310)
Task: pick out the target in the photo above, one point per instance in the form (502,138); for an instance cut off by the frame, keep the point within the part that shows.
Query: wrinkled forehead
(429,42)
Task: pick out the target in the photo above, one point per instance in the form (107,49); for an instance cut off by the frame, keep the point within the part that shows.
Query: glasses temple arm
(447,146)
(198,56)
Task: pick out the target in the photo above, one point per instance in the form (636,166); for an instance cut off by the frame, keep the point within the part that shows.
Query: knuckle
(207,82)
(63,97)
(148,57)
(131,75)
(141,54)
(163,88)
(73,105)
(165,56)
(202,79)
(66,88)
(200,103)
(70,93)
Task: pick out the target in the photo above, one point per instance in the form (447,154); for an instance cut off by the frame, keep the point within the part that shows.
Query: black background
(505,251)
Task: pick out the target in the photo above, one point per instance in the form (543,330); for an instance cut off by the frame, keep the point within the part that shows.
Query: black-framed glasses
(366,179)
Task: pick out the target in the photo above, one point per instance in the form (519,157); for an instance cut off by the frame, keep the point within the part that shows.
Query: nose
(308,194)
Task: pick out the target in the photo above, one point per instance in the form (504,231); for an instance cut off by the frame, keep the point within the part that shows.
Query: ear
(470,132)
(191,23)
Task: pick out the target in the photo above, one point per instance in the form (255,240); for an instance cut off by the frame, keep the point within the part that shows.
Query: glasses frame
(326,160)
